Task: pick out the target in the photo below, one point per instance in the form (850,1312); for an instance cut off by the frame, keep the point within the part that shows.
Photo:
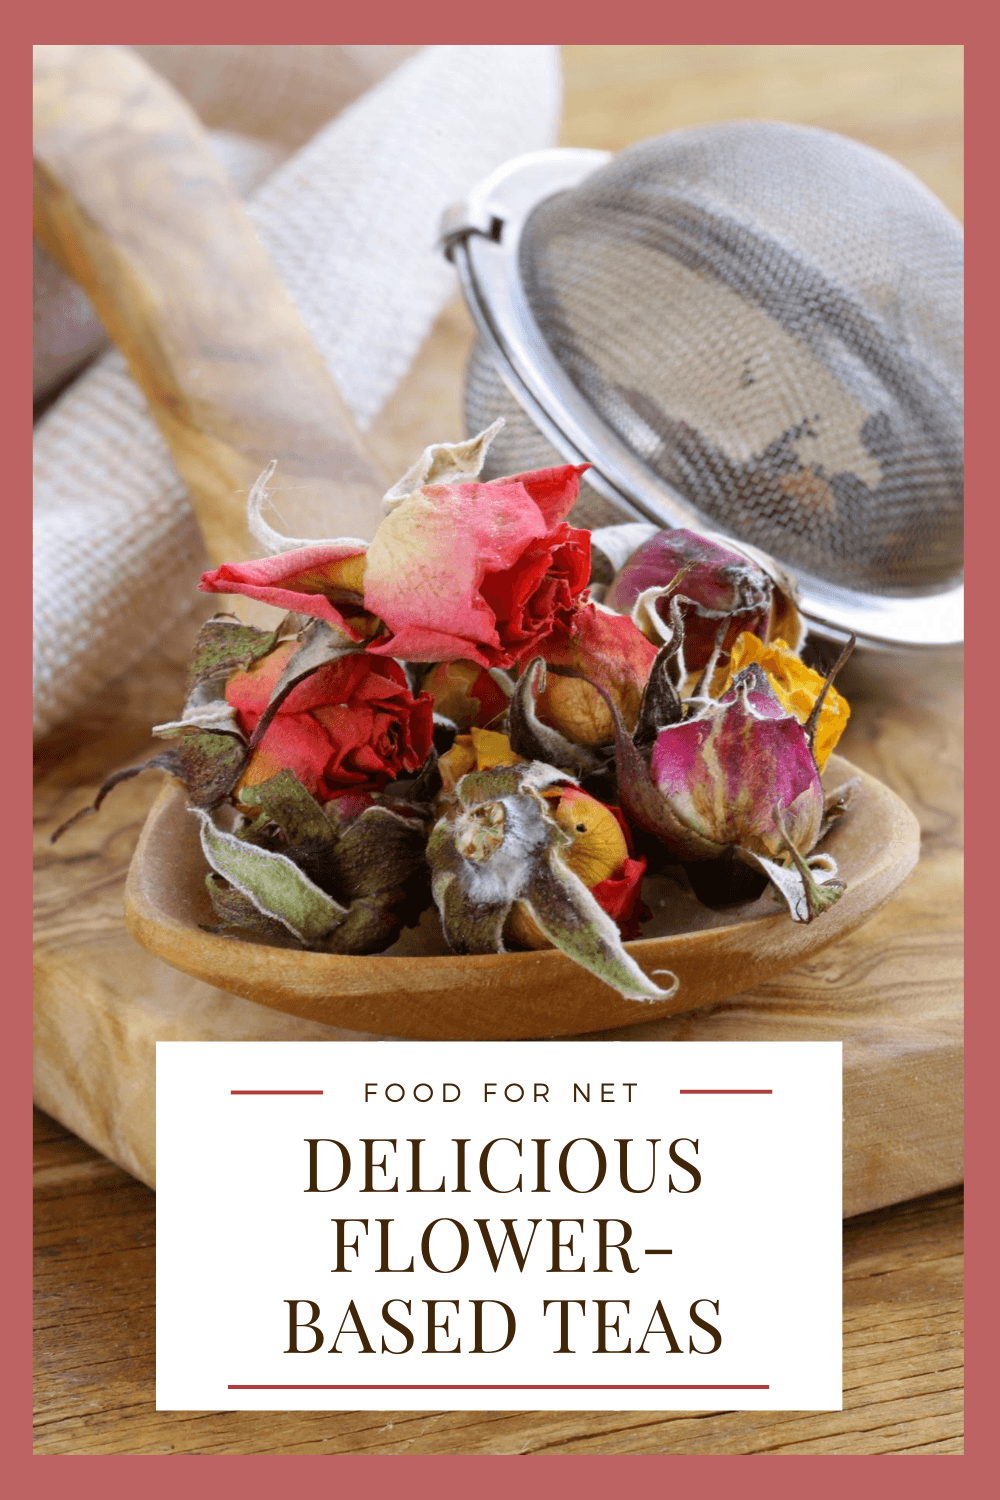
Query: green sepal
(225,646)
(532,739)
(469,926)
(573,922)
(234,909)
(209,762)
(284,801)
(379,852)
(341,890)
(273,883)
(808,887)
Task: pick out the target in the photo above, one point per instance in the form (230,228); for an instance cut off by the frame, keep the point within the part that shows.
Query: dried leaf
(209,764)
(571,919)
(469,927)
(284,801)
(379,852)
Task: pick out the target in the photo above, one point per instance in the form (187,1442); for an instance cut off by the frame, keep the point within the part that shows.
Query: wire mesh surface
(770,316)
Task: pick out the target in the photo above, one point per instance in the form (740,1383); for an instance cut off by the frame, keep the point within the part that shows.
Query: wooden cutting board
(891,992)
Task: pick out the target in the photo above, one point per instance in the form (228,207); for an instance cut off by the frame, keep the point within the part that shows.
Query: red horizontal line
(275,1091)
(725,1091)
(498,1388)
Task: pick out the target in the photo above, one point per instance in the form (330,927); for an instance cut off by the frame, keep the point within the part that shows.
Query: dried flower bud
(740,775)
(796,687)
(717,588)
(339,878)
(607,650)
(725,772)
(599,854)
(501,846)
(465,693)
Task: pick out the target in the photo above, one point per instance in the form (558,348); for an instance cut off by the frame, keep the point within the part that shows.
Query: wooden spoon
(510,995)
(131,202)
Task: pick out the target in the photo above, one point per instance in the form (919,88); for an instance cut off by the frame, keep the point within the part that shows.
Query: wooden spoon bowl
(507,996)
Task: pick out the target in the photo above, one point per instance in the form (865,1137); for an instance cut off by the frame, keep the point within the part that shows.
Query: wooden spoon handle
(131,202)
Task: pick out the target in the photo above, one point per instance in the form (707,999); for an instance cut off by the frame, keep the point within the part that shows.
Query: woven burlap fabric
(351,224)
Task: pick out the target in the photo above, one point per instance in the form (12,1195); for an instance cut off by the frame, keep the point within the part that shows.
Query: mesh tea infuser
(752,327)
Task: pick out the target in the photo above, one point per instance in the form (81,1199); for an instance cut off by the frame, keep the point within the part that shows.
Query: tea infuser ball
(750,327)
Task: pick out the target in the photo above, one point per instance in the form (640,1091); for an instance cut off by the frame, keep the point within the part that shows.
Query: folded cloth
(260,104)
(351,224)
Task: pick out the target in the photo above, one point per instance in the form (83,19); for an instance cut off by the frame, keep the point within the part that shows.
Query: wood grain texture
(896,985)
(903,100)
(94,1353)
(131,202)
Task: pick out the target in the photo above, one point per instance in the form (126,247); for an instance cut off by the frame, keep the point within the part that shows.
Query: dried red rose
(352,723)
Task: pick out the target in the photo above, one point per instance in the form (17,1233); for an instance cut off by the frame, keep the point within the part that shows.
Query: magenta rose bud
(716,585)
(724,774)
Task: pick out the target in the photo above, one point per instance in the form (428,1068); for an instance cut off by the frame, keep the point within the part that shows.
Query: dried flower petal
(325,581)
(349,722)
(466,693)
(796,687)
(725,771)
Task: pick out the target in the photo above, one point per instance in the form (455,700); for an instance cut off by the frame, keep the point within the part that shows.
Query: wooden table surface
(94,1349)
(902,1265)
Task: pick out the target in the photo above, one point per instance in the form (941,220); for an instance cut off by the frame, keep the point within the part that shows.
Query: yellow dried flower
(796,687)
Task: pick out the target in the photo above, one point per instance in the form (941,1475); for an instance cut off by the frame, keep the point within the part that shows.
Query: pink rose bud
(724,773)
(716,589)
(738,779)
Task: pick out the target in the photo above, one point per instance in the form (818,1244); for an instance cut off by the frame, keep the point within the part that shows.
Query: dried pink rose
(738,777)
(325,581)
(478,572)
